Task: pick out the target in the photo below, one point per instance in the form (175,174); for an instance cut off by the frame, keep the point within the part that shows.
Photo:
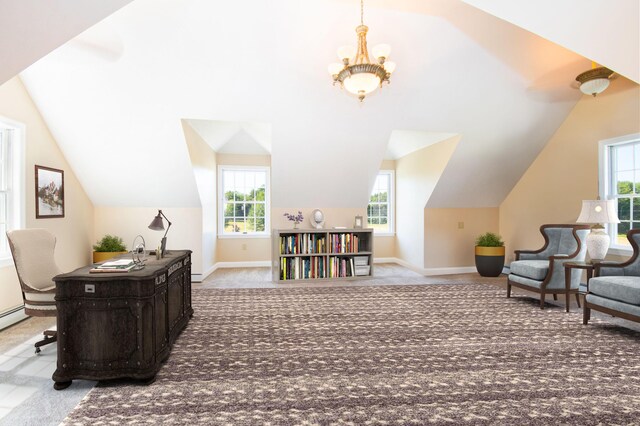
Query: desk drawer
(99,289)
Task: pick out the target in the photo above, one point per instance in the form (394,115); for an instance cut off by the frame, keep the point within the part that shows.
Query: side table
(568,266)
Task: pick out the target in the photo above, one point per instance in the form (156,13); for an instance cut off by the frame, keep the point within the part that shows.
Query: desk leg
(62,385)
(567,286)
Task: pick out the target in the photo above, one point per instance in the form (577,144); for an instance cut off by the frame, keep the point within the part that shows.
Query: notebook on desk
(115,266)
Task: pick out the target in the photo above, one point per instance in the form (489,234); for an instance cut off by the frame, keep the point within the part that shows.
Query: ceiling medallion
(357,73)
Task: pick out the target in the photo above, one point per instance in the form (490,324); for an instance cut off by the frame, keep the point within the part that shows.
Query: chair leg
(542,296)
(50,336)
(508,289)
(578,300)
(586,314)
(567,301)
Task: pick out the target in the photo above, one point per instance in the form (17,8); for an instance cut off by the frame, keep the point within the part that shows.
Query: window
(11,183)
(620,180)
(244,208)
(381,205)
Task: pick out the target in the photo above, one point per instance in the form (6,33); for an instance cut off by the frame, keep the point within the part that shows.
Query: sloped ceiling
(460,71)
(29,29)
(604,31)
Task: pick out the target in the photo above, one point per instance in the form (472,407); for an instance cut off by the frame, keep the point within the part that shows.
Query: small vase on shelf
(296,219)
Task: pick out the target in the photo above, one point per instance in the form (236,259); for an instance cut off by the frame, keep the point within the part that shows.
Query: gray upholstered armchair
(615,288)
(542,271)
(32,251)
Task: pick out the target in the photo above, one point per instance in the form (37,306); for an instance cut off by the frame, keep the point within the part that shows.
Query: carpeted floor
(437,354)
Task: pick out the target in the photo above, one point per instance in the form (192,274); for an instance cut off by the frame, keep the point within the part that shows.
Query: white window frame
(16,188)
(605,183)
(267,207)
(391,208)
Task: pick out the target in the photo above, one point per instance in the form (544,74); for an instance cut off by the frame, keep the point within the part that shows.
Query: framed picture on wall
(357,223)
(49,192)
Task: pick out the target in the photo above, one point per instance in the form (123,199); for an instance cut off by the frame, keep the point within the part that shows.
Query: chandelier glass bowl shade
(357,73)
(594,81)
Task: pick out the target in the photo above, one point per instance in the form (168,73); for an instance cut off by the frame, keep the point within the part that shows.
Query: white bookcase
(321,254)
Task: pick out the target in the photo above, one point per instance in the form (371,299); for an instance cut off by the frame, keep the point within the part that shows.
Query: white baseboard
(196,278)
(266,263)
(12,317)
(451,271)
(255,264)
(427,271)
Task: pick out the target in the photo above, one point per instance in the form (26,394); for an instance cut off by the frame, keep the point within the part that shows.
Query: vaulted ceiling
(254,74)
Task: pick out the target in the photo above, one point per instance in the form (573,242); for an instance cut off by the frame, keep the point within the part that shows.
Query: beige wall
(74,232)
(416,176)
(384,247)
(203,160)
(566,171)
(128,222)
(450,234)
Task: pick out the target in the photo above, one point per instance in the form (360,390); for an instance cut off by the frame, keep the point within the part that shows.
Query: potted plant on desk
(489,254)
(109,246)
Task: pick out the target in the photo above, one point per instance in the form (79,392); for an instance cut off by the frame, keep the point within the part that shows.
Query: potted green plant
(489,254)
(109,246)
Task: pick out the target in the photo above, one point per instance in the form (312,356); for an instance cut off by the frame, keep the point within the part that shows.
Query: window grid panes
(624,167)
(379,210)
(5,188)
(244,207)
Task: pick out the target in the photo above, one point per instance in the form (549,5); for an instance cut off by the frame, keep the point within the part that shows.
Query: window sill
(243,236)
(6,261)
(620,251)
(384,234)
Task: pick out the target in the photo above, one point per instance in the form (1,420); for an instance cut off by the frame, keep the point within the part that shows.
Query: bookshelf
(321,254)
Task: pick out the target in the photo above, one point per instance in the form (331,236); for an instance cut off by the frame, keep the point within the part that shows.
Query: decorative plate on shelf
(317,219)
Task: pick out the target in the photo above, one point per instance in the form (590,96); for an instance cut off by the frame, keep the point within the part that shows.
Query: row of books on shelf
(296,268)
(345,243)
(303,244)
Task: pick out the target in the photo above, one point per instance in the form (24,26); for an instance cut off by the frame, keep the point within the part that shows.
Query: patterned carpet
(432,354)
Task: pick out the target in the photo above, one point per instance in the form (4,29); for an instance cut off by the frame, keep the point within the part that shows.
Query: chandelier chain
(361,12)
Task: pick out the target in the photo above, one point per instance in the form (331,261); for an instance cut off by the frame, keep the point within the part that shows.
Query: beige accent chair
(32,251)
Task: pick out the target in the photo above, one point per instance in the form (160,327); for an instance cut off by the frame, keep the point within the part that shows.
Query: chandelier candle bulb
(345,53)
(389,67)
(381,52)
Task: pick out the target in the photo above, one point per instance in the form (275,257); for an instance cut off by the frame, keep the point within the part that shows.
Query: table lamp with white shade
(597,212)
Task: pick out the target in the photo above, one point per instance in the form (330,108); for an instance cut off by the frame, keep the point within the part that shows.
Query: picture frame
(357,223)
(49,192)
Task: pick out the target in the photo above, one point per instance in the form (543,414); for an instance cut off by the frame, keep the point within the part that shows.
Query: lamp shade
(595,86)
(157,223)
(598,211)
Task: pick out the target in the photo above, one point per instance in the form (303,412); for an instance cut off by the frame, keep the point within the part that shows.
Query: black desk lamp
(158,225)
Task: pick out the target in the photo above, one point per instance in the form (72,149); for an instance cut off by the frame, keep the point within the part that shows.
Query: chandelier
(357,73)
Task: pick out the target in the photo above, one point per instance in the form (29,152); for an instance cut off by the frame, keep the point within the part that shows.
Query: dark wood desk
(121,325)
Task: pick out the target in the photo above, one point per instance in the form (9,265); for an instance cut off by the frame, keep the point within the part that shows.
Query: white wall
(416,176)
(203,160)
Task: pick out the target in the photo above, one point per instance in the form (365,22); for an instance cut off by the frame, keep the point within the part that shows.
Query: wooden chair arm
(607,264)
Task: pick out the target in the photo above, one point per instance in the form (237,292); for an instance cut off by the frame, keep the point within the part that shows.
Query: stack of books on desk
(122,265)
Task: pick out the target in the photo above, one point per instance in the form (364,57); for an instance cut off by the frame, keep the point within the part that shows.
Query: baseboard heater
(12,316)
